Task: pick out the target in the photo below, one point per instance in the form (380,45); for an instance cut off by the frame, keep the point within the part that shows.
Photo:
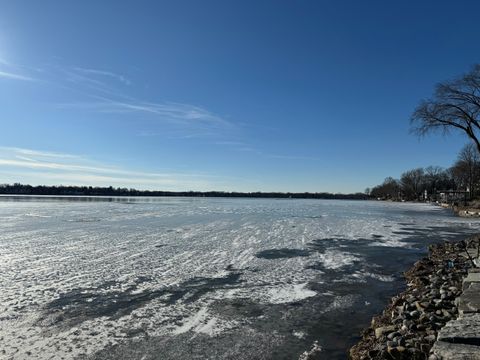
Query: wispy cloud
(230,143)
(179,135)
(104,73)
(104,97)
(78,170)
(178,113)
(37,164)
(97,90)
(39,153)
(81,179)
(248,148)
(292,157)
(11,71)
(84,84)
(15,76)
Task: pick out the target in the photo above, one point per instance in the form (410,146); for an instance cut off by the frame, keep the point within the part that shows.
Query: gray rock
(391,344)
(452,351)
(465,329)
(380,331)
(459,339)
(472,277)
(399,340)
(469,301)
(414,313)
(392,335)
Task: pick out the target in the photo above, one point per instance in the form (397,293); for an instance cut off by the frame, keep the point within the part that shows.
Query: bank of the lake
(409,326)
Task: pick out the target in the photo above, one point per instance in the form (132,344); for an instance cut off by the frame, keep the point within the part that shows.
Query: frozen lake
(202,278)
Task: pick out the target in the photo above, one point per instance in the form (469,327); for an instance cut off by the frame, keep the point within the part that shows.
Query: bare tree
(455,106)
(433,179)
(467,169)
(411,182)
(389,189)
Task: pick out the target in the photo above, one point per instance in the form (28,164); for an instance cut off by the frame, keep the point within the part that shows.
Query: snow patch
(334,259)
(289,293)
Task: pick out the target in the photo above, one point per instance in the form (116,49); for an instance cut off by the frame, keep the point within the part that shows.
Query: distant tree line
(463,176)
(21,189)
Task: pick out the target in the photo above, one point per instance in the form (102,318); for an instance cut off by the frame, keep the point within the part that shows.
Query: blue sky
(225,95)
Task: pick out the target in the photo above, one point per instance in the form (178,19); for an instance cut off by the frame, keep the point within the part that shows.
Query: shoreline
(408,327)
(73,190)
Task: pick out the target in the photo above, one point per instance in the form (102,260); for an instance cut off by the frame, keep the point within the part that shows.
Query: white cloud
(104,73)
(43,167)
(14,76)
(178,113)
(81,179)
(36,164)
(11,71)
(247,148)
(30,152)
(103,96)
(293,157)
(110,100)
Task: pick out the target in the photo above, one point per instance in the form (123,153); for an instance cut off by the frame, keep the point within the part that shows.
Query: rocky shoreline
(408,327)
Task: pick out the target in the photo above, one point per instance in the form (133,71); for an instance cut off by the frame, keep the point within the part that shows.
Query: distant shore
(41,190)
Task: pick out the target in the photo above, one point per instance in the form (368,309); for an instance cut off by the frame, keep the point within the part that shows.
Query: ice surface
(290,293)
(77,277)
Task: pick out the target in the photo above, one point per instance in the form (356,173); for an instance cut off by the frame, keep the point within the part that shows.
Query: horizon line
(127,189)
